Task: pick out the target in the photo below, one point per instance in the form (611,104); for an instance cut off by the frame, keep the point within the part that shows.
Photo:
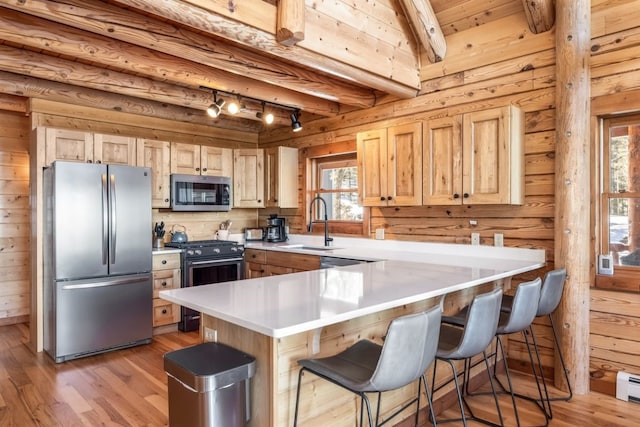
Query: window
(335,179)
(620,193)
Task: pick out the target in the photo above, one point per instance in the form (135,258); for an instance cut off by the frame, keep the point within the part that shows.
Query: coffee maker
(276,231)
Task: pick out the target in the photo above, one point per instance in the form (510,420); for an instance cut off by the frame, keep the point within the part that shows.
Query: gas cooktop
(201,244)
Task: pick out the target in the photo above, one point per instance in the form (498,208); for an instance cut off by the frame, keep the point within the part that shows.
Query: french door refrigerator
(97,258)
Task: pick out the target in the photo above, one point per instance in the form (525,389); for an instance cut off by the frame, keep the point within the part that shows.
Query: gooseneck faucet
(327,239)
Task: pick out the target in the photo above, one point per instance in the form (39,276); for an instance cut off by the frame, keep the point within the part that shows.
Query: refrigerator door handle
(105,221)
(105,283)
(112,209)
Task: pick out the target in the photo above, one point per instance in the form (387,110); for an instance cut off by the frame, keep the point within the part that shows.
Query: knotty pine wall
(491,67)
(15,286)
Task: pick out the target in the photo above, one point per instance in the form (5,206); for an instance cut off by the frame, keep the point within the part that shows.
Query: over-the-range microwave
(200,193)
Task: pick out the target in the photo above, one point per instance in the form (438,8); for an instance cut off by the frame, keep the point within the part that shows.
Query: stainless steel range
(206,262)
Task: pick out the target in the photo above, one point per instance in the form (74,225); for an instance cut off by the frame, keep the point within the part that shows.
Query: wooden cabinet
(200,160)
(476,158)
(156,155)
(390,166)
(281,177)
(248,178)
(260,263)
(166,275)
(71,145)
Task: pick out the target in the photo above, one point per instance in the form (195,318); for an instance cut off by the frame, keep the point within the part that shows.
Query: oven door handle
(217,261)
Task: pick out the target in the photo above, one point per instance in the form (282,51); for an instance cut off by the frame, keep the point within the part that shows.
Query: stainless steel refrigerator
(97,258)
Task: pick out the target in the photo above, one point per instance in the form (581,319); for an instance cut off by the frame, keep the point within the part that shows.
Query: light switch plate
(380,233)
(475,238)
(498,239)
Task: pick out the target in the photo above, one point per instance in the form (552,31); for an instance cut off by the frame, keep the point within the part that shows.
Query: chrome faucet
(327,239)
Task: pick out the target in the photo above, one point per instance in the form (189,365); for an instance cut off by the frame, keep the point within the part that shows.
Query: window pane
(624,230)
(624,163)
(341,178)
(341,206)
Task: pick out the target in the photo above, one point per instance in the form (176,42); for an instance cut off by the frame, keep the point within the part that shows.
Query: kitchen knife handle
(105,221)
(112,246)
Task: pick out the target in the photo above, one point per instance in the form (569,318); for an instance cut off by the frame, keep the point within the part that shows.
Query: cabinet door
(404,165)
(281,177)
(185,158)
(248,178)
(216,161)
(114,149)
(71,145)
(253,270)
(156,155)
(442,171)
(372,166)
(487,154)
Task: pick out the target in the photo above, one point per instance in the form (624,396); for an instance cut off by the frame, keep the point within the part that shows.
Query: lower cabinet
(260,263)
(166,275)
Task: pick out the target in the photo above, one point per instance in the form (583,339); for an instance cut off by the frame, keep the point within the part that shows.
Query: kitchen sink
(309,248)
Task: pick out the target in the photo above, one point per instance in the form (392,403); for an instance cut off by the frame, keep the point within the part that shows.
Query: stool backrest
(524,307)
(551,292)
(409,348)
(481,324)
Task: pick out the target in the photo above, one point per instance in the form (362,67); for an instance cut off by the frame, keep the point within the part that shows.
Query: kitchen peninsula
(281,319)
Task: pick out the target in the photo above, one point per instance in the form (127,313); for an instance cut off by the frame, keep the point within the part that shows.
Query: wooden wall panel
(14,218)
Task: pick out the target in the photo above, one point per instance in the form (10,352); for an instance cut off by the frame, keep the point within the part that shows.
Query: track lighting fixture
(234,106)
(215,108)
(296,126)
(266,117)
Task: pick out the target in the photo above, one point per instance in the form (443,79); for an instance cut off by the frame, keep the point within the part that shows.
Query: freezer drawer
(98,315)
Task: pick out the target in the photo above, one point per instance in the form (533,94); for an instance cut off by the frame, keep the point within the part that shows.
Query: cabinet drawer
(166,261)
(254,255)
(294,261)
(165,279)
(165,312)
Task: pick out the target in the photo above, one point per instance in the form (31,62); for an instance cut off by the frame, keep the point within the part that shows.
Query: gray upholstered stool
(456,343)
(366,367)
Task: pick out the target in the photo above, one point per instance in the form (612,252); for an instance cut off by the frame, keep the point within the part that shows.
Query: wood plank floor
(129,388)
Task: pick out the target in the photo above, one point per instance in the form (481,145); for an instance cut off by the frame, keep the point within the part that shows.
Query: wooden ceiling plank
(32,87)
(111,21)
(425,25)
(290,27)
(254,38)
(40,34)
(541,15)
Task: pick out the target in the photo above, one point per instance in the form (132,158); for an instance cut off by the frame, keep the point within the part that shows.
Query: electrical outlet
(380,233)
(210,335)
(475,238)
(498,239)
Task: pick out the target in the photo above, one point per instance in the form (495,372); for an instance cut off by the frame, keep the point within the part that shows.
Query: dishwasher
(330,261)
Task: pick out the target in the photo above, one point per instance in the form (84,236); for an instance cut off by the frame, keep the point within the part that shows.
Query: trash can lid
(209,366)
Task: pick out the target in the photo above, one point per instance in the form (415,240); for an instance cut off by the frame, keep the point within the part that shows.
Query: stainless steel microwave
(200,193)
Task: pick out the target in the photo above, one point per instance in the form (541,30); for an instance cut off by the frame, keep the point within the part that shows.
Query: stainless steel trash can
(208,386)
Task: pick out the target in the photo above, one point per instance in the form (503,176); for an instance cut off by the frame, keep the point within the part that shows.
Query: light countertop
(280,306)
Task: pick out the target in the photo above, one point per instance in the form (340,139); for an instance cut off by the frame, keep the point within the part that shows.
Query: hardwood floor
(128,388)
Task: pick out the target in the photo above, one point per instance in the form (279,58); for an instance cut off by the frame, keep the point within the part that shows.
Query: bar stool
(523,309)
(550,296)
(457,343)
(366,367)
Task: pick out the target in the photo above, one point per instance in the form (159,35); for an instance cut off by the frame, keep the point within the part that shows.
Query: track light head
(296,126)
(265,116)
(235,106)
(215,109)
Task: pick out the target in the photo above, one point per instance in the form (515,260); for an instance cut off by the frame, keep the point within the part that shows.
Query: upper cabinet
(71,145)
(390,166)
(281,177)
(476,158)
(248,178)
(156,155)
(193,159)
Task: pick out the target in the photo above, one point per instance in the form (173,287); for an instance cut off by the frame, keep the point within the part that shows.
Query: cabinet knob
(204,169)
(164,283)
(166,200)
(253,256)
(98,161)
(456,196)
(390,198)
(465,195)
(259,201)
(89,161)
(197,169)
(383,198)
(164,261)
(164,311)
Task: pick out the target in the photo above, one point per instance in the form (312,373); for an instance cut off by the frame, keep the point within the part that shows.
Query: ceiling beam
(541,15)
(426,27)
(290,24)
(125,25)
(32,87)
(255,38)
(19,104)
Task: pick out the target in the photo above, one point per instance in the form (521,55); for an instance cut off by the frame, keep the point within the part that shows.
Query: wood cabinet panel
(281,177)
(216,161)
(296,261)
(248,178)
(372,165)
(165,312)
(165,279)
(114,149)
(165,275)
(70,145)
(157,156)
(166,261)
(260,263)
(254,255)
(253,270)
(442,153)
(185,158)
